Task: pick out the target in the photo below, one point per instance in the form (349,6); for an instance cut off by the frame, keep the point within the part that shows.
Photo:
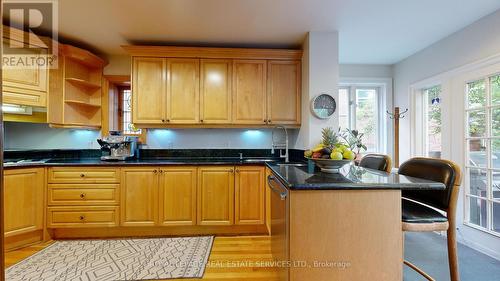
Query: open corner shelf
(83,83)
(82,103)
(76,126)
(76,90)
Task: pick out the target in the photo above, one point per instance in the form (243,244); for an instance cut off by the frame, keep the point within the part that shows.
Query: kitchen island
(344,226)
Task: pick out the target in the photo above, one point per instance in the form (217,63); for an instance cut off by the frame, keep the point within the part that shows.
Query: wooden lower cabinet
(216,195)
(79,216)
(177,196)
(249,195)
(23,200)
(23,206)
(139,194)
(183,199)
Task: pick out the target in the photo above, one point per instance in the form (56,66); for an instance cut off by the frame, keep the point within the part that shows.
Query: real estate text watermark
(31,37)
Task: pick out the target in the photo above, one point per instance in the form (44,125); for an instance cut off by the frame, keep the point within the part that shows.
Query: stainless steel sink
(259,160)
(292,164)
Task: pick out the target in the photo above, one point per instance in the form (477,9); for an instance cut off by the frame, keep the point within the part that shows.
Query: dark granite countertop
(307,177)
(13,163)
(350,177)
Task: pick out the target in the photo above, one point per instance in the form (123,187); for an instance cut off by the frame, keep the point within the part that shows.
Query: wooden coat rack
(396,116)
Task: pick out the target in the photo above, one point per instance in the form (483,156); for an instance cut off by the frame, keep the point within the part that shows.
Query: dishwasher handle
(271,180)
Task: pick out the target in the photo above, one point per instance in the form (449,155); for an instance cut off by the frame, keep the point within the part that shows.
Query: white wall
(320,73)
(118,65)
(365,71)
(41,136)
(446,62)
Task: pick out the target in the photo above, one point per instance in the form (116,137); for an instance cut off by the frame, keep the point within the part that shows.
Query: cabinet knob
(82,217)
(237,170)
(268,120)
(82,175)
(201,120)
(82,195)
(168,120)
(265,121)
(155,171)
(163,120)
(161,171)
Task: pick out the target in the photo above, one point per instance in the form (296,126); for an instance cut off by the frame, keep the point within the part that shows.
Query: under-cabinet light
(17,109)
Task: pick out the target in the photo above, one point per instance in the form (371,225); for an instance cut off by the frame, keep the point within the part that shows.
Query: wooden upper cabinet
(249,92)
(249,195)
(23,201)
(149,90)
(283,92)
(215,195)
(139,197)
(177,195)
(215,88)
(183,91)
(185,87)
(26,86)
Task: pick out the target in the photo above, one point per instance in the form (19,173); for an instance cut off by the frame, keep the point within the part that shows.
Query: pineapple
(329,137)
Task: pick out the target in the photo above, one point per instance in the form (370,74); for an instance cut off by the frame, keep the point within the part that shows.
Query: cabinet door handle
(82,175)
(82,195)
(82,217)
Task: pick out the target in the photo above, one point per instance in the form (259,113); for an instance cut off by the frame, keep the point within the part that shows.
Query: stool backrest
(377,162)
(438,170)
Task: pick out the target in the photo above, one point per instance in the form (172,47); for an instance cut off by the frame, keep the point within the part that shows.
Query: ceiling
(370,31)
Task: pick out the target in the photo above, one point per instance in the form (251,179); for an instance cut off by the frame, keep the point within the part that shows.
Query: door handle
(271,180)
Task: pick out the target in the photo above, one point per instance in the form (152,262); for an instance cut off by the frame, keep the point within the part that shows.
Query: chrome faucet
(280,146)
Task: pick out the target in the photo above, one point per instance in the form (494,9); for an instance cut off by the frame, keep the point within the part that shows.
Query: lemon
(336,155)
(348,154)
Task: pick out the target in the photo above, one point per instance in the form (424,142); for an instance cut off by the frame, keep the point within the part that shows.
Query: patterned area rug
(123,259)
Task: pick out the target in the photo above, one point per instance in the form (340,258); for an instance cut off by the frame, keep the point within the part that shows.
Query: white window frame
(485,74)
(384,88)
(419,130)
(453,145)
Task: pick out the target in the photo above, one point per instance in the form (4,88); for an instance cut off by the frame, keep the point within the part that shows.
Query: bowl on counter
(330,165)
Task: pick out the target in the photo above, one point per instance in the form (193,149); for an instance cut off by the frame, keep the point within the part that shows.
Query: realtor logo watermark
(30,40)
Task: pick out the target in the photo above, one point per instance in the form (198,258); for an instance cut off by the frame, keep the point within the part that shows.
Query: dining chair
(422,210)
(379,162)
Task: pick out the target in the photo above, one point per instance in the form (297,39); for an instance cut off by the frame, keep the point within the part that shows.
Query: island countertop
(350,177)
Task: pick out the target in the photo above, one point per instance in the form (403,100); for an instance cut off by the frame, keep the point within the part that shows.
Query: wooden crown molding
(213,53)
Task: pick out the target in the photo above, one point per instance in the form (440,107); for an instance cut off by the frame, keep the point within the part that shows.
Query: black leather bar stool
(379,162)
(418,217)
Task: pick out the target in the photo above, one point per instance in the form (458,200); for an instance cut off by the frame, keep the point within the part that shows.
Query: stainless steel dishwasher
(279,225)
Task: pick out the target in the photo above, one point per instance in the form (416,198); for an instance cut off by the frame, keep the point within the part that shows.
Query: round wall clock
(323,106)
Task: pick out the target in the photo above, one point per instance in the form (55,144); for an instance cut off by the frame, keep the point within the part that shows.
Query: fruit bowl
(330,165)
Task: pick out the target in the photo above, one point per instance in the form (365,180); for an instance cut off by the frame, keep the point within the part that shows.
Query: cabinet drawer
(60,217)
(83,194)
(83,175)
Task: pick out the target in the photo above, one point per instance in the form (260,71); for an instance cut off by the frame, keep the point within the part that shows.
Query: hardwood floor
(232,258)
